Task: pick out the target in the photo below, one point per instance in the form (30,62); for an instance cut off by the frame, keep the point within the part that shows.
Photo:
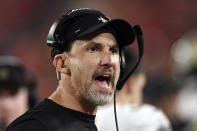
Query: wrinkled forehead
(100,41)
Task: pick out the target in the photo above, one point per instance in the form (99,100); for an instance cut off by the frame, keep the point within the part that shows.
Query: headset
(124,76)
(55,39)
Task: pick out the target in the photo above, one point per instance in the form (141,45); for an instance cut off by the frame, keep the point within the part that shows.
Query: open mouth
(103,80)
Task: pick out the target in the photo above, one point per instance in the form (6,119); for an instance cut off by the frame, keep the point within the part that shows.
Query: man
(86,46)
(132,113)
(17,90)
(163,92)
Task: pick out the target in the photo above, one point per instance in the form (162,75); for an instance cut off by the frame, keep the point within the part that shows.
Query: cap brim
(124,32)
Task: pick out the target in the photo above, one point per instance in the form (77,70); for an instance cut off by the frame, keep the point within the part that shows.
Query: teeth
(106,75)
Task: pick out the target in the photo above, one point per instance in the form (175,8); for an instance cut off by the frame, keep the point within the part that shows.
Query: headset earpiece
(54,38)
(122,62)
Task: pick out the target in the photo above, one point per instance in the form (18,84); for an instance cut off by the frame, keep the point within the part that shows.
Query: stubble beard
(99,98)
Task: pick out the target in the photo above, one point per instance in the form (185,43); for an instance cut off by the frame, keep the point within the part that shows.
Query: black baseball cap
(11,72)
(84,21)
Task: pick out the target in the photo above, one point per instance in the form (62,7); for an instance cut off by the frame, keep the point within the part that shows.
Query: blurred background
(169,27)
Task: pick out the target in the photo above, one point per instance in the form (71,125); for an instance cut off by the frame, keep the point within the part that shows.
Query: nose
(107,59)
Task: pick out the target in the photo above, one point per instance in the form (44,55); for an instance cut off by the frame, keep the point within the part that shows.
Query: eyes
(99,48)
(93,49)
(114,50)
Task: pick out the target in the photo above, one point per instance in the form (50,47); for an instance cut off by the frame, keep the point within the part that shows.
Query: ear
(61,64)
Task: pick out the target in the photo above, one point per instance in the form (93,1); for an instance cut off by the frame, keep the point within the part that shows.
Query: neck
(67,97)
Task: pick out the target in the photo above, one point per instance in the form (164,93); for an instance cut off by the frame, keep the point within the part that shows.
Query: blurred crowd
(170,33)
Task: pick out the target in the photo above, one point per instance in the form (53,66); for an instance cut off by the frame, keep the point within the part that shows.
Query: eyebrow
(96,43)
(93,43)
(116,46)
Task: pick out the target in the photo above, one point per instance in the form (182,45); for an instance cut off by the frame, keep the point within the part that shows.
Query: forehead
(99,37)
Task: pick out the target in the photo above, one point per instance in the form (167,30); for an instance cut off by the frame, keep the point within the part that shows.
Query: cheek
(81,71)
(79,67)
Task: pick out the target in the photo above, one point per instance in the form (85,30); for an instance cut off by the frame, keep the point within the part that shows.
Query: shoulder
(30,125)
(130,117)
(32,119)
(157,116)
(152,110)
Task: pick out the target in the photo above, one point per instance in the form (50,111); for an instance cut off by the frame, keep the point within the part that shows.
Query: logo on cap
(77,30)
(4,73)
(102,19)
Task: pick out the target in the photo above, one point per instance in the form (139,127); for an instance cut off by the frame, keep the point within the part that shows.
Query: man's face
(12,106)
(95,68)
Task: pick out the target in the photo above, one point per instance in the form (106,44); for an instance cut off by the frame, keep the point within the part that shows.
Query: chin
(99,98)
